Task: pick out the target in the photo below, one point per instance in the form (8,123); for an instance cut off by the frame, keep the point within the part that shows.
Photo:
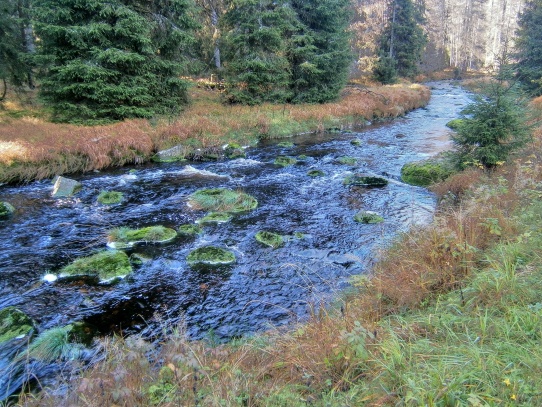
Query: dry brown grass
(32,148)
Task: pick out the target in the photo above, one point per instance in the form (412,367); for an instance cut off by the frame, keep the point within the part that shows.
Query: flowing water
(266,286)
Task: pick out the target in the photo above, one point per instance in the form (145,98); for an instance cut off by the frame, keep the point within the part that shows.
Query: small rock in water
(65,187)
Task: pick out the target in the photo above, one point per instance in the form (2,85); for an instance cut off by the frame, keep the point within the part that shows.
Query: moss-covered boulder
(455,124)
(215,217)
(222,200)
(315,173)
(351,161)
(173,154)
(110,197)
(107,267)
(424,173)
(368,217)
(234,150)
(285,161)
(122,238)
(365,181)
(189,229)
(356,142)
(210,256)
(6,209)
(15,324)
(269,239)
(285,144)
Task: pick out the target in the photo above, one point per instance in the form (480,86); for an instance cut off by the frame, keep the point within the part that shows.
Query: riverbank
(451,316)
(32,148)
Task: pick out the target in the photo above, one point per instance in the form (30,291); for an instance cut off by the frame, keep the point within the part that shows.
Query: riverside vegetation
(451,315)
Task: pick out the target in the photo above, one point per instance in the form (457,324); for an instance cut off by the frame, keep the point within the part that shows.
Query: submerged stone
(285,161)
(110,197)
(365,180)
(6,209)
(215,217)
(123,237)
(368,217)
(315,173)
(210,255)
(65,187)
(269,239)
(347,160)
(222,200)
(107,267)
(15,324)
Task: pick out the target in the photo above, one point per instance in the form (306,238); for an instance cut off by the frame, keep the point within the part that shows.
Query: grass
(33,148)
(103,267)
(210,255)
(110,197)
(150,234)
(222,200)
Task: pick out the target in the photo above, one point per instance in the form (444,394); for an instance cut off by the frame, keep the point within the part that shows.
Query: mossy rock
(189,230)
(356,142)
(269,239)
(365,181)
(137,259)
(6,209)
(121,238)
(173,154)
(303,157)
(455,124)
(107,267)
(222,200)
(285,161)
(347,160)
(234,150)
(15,324)
(286,144)
(315,173)
(368,217)
(110,197)
(210,255)
(424,173)
(215,217)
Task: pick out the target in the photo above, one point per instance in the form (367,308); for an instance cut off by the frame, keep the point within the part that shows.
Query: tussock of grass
(222,200)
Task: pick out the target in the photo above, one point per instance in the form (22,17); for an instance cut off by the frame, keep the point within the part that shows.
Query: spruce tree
(256,38)
(111,60)
(529,47)
(403,39)
(320,53)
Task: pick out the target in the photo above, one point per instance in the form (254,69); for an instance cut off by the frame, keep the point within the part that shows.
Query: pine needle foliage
(110,60)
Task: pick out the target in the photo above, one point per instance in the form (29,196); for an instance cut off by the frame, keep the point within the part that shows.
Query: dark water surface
(265,286)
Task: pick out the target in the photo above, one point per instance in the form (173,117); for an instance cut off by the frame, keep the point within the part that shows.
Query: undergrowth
(451,316)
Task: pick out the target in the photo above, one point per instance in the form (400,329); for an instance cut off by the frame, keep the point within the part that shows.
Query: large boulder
(65,187)
(173,154)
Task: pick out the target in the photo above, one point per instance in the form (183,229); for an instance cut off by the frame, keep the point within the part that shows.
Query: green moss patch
(365,181)
(356,142)
(107,267)
(347,160)
(455,124)
(368,217)
(123,237)
(110,197)
(14,324)
(424,173)
(285,144)
(222,200)
(6,209)
(210,255)
(234,150)
(189,230)
(285,161)
(269,239)
(316,173)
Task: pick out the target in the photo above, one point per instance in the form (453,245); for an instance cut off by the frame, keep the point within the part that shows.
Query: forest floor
(450,316)
(33,148)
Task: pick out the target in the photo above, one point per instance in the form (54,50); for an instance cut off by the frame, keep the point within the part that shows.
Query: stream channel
(266,287)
